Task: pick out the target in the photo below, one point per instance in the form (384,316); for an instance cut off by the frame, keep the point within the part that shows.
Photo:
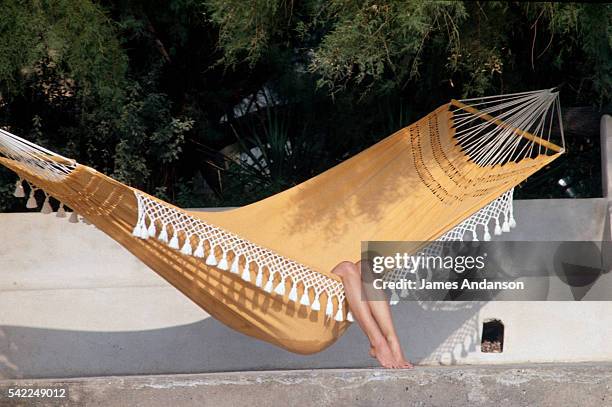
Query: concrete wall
(75,303)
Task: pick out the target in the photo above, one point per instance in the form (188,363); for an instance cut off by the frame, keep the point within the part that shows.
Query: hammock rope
(264,269)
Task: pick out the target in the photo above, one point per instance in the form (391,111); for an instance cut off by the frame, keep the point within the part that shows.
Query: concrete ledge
(510,385)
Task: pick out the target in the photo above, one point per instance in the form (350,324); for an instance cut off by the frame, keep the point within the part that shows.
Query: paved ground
(518,385)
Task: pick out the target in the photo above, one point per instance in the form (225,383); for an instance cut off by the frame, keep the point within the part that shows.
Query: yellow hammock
(264,269)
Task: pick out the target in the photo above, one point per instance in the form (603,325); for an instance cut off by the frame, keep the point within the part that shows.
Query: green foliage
(585,29)
(471,48)
(149,137)
(247,28)
(381,43)
(147,91)
(74,38)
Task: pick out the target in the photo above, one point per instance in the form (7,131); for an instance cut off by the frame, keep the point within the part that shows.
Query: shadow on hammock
(415,183)
(209,346)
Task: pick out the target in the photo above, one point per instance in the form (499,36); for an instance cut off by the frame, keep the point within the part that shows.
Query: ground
(508,385)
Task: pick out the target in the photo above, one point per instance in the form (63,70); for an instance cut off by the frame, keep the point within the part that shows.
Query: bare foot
(383,354)
(398,354)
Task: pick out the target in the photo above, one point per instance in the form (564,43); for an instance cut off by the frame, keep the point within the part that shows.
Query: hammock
(265,269)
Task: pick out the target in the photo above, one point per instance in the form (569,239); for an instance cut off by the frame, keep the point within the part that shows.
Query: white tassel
(246,273)
(280,288)
(394,298)
(19,192)
(199,251)
(498,230)
(316,305)
(259,278)
(211,260)
(187,249)
(293,292)
(305,300)
(135,232)
(511,211)
(174,243)
(506,226)
(487,235)
(339,314)
(329,308)
(74,218)
(46,206)
(474,235)
(31,203)
(143,231)
(235,265)
(61,212)
(223,263)
(152,232)
(270,283)
(163,235)
(512,222)
(349,317)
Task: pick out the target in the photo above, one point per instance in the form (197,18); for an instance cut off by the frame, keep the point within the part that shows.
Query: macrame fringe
(339,314)
(151,213)
(293,292)
(199,251)
(235,265)
(31,202)
(46,206)
(19,191)
(476,226)
(174,243)
(211,260)
(329,308)
(151,230)
(394,298)
(73,217)
(186,250)
(280,288)
(259,277)
(305,300)
(223,263)
(265,272)
(269,285)
(61,212)
(316,305)
(246,273)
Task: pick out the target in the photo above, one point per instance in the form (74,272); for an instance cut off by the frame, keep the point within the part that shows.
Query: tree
(148,91)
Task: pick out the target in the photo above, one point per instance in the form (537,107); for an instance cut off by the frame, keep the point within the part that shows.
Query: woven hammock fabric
(265,269)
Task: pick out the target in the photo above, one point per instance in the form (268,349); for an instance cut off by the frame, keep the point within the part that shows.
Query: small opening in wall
(492,336)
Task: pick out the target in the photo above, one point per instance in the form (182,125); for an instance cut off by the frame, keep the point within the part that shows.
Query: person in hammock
(373,315)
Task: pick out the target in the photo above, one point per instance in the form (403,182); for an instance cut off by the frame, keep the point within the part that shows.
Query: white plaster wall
(75,303)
